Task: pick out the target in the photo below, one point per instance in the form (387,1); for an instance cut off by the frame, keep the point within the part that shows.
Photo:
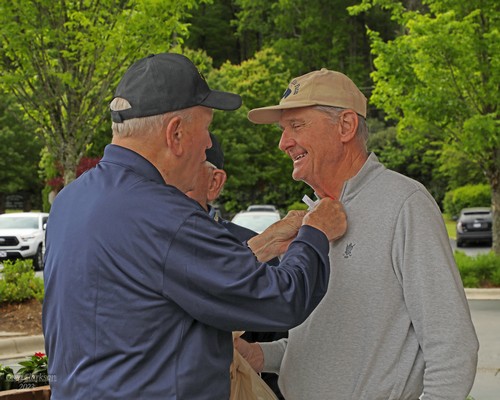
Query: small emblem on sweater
(348,250)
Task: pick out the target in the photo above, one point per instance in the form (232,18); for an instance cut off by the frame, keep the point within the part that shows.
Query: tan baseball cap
(324,87)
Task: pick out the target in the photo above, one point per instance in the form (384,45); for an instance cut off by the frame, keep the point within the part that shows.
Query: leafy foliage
(437,78)
(19,282)
(6,377)
(312,34)
(212,29)
(456,169)
(414,158)
(258,172)
(467,196)
(62,59)
(482,270)
(34,370)
(440,81)
(19,152)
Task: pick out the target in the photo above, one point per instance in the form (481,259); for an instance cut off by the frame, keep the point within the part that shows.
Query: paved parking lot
(486,318)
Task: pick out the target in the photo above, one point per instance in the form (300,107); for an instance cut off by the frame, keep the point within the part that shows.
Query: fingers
(252,352)
(329,217)
(296,214)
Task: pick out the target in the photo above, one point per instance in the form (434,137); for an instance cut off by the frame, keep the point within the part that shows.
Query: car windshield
(19,223)
(257,222)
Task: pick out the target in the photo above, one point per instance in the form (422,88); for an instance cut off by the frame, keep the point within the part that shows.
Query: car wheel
(460,243)
(38,259)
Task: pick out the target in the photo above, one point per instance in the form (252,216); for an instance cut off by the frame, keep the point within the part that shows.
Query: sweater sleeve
(435,299)
(273,354)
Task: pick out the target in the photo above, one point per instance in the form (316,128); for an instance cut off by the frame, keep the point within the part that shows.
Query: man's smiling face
(311,140)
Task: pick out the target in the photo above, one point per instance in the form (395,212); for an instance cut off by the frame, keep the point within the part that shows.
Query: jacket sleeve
(216,279)
(435,299)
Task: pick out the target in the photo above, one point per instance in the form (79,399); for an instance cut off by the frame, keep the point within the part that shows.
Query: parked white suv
(22,235)
(257,221)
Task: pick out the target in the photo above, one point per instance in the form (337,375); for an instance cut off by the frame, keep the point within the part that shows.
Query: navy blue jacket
(143,288)
(244,234)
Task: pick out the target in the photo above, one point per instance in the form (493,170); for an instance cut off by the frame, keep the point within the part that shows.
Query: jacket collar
(130,159)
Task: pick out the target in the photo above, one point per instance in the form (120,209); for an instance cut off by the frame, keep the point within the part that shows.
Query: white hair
(333,113)
(143,125)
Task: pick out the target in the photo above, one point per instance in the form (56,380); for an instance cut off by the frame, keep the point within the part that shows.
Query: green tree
(441,79)
(212,30)
(257,170)
(458,170)
(19,154)
(312,34)
(62,61)
(416,159)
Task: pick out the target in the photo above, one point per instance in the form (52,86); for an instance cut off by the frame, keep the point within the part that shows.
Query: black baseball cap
(215,155)
(167,82)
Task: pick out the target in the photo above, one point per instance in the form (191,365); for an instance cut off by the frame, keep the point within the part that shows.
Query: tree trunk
(495,205)
(69,174)
(2,203)
(70,160)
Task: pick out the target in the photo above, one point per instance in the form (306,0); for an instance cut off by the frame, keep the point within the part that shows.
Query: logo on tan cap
(324,87)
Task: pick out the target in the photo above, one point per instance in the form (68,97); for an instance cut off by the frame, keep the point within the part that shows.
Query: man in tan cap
(395,323)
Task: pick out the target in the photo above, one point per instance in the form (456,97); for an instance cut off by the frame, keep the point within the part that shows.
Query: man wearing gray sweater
(395,323)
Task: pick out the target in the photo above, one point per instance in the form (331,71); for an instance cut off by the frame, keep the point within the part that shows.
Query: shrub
(33,373)
(467,196)
(298,205)
(6,378)
(19,282)
(482,270)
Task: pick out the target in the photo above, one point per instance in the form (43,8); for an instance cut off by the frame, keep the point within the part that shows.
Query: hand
(329,217)
(286,229)
(275,239)
(251,352)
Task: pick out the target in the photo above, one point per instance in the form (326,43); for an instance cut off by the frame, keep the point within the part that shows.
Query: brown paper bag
(246,384)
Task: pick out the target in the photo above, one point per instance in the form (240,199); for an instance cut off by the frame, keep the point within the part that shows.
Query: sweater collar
(371,168)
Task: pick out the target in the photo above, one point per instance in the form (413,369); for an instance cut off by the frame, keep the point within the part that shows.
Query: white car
(257,221)
(262,207)
(22,235)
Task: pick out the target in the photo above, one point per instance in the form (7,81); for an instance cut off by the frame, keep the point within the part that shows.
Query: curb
(21,346)
(483,294)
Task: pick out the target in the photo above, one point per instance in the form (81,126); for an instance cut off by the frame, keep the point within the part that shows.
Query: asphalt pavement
(486,319)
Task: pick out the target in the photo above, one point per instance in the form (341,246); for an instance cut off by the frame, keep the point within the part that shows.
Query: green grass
(450,226)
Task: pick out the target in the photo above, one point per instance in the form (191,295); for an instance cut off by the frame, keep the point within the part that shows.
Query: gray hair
(143,125)
(333,113)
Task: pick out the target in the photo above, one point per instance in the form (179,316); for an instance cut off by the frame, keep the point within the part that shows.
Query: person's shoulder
(403,182)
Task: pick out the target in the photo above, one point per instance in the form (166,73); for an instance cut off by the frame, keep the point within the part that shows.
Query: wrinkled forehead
(295,115)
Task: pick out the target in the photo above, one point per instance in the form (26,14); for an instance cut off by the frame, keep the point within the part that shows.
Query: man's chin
(297,176)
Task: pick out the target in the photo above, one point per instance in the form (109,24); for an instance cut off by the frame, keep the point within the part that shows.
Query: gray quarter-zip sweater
(395,322)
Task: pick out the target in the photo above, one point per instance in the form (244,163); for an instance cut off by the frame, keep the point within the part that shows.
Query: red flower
(40,355)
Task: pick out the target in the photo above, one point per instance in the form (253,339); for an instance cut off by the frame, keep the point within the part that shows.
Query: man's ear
(173,135)
(348,122)
(216,184)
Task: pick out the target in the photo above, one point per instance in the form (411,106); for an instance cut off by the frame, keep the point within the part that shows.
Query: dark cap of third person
(215,155)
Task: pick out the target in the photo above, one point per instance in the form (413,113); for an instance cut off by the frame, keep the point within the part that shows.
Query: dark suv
(474,225)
